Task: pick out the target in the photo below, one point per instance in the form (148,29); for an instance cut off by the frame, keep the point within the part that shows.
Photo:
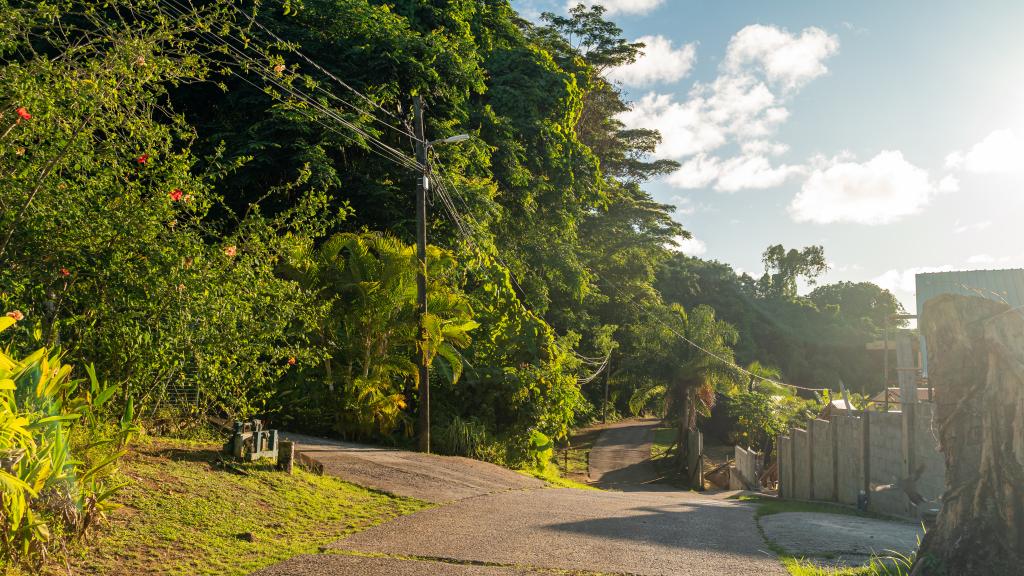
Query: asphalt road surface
(497,522)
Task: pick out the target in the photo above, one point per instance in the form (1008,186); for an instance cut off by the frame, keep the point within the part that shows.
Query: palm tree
(370,332)
(694,361)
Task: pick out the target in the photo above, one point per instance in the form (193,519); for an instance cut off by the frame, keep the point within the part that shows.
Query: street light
(422,146)
(450,140)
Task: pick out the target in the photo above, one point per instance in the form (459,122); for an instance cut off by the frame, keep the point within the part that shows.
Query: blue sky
(891,133)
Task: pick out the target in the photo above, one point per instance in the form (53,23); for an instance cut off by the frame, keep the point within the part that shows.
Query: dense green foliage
(815,340)
(214,205)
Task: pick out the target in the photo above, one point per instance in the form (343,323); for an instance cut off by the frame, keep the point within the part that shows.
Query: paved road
(838,540)
(437,479)
(621,456)
(501,527)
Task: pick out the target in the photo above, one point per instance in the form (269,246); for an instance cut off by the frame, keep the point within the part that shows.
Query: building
(1001,285)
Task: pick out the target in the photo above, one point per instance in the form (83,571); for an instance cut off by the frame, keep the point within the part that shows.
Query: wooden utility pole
(421,277)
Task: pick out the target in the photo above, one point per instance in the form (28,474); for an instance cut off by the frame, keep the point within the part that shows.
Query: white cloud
(954,160)
(619,6)
(683,205)
(788,60)
(1000,152)
(959,228)
(684,129)
(763,148)
(696,172)
(904,280)
(879,191)
(744,105)
(660,62)
(689,246)
(987,259)
(949,184)
(752,172)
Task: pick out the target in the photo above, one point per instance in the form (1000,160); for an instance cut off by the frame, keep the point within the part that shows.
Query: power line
(239,55)
(393,154)
(690,342)
(328,73)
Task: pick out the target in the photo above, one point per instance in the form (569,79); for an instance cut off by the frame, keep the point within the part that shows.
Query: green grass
(664,438)
(573,460)
(554,479)
(895,565)
(767,506)
(182,515)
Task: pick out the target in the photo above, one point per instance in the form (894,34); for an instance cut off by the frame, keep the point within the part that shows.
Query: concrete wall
(830,461)
(822,459)
(926,444)
(801,465)
(748,469)
(885,463)
(849,457)
(784,452)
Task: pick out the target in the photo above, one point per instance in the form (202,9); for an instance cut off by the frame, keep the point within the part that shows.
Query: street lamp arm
(449,140)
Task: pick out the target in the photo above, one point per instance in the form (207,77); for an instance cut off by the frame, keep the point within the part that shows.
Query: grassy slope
(181,514)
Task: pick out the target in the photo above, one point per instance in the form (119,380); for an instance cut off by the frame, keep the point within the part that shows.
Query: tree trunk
(976,367)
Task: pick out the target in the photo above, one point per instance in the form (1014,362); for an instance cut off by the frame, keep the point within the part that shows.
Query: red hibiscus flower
(23,113)
(176,195)
(142,159)
(65,272)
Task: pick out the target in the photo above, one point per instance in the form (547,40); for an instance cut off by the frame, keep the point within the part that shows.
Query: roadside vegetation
(207,211)
(183,511)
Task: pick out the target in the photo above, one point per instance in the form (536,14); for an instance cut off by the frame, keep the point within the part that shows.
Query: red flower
(65,272)
(291,361)
(142,159)
(176,195)
(23,113)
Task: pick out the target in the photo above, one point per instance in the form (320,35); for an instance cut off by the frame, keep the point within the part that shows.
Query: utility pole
(421,276)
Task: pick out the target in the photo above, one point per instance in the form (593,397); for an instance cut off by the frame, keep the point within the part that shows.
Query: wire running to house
(698,347)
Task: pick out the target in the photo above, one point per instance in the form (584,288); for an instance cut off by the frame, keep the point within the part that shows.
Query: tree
(859,303)
(370,332)
(694,361)
(975,348)
(783,268)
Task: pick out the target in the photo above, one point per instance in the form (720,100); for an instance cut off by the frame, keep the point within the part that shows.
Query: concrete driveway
(495,524)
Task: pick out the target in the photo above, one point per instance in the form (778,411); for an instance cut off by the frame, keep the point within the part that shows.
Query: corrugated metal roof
(999,285)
